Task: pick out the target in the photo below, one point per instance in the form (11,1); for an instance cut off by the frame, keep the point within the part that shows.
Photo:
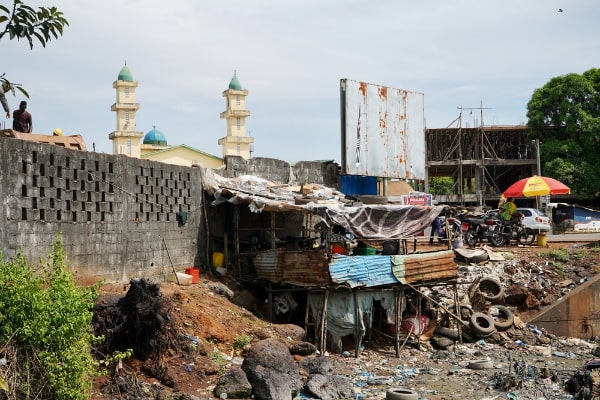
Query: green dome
(155,137)
(125,74)
(235,83)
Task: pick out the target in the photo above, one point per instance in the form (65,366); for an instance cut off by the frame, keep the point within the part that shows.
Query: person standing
(22,119)
(508,209)
(5,89)
(436,228)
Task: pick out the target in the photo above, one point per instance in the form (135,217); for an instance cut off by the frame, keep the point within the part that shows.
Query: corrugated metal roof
(366,271)
(306,268)
(424,267)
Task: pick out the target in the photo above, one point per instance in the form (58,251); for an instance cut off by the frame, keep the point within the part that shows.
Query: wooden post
(272,232)
(270,297)
(458,312)
(225,249)
(398,307)
(356,324)
(323,333)
(419,298)
(307,318)
(236,237)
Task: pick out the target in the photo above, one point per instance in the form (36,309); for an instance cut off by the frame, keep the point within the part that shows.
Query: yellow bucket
(218,259)
(541,239)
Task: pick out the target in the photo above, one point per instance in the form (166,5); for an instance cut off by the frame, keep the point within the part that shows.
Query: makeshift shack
(347,258)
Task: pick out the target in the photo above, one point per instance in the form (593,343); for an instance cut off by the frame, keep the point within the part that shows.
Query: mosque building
(153,145)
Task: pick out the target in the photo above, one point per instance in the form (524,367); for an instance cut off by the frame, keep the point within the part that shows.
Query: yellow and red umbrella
(536,186)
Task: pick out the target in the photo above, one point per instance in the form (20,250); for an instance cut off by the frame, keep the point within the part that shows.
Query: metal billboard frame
(383,131)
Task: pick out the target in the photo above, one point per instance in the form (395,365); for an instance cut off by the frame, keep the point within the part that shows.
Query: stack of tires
(486,314)
(498,317)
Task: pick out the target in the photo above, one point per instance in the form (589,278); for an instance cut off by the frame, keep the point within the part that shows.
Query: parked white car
(535,220)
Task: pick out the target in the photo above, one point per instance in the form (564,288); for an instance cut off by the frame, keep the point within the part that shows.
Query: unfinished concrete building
(481,162)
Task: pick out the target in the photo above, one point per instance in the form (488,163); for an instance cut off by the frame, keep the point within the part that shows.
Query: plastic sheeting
(341,312)
(381,221)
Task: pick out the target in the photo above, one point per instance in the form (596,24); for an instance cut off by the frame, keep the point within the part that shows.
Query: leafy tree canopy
(21,21)
(565,115)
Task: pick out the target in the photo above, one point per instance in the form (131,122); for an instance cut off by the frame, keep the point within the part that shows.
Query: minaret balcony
(235,113)
(125,106)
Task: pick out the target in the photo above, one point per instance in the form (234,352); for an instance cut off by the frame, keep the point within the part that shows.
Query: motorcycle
(512,230)
(478,229)
(451,225)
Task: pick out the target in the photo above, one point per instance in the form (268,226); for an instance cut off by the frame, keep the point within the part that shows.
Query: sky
(291,56)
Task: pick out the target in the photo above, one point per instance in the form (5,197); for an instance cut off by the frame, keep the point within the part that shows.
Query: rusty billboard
(383,131)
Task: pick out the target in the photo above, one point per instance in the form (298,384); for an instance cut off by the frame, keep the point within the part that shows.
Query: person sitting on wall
(22,119)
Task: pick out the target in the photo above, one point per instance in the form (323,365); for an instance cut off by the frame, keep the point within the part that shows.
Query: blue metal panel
(365,271)
(585,215)
(358,185)
(562,214)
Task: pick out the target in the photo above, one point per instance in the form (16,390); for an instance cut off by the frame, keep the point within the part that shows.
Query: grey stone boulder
(303,348)
(220,289)
(330,387)
(234,383)
(316,365)
(271,370)
(441,342)
(290,331)
(166,395)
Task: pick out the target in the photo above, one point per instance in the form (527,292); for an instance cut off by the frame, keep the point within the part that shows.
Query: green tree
(565,115)
(21,21)
(441,185)
(45,330)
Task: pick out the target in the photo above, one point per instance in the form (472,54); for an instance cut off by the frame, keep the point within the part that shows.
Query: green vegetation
(219,358)
(564,115)
(559,254)
(441,185)
(557,258)
(21,21)
(560,268)
(580,253)
(45,329)
(241,341)
(113,362)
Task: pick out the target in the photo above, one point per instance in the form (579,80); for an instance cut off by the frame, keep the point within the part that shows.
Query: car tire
(505,320)
(481,364)
(401,394)
(482,324)
(491,289)
(447,332)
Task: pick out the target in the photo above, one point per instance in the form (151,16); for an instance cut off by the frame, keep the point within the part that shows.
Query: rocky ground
(206,334)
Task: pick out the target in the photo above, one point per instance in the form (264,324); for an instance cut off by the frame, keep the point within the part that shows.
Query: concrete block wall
(320,172)
(118,216)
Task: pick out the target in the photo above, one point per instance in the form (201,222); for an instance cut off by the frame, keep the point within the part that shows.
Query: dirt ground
(211,332)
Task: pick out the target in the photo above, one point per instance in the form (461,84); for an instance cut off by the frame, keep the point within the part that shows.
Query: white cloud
(290,56)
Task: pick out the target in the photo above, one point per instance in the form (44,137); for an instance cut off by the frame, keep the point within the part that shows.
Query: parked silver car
(535,220)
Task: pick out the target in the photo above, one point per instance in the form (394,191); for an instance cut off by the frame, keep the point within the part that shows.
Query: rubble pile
(481,349)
